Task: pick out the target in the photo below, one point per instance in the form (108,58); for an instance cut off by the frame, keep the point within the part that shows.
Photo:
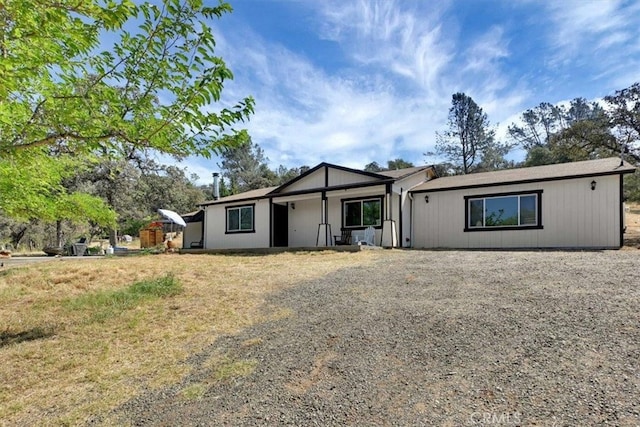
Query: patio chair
(344,238)
(79,248)
(370,236)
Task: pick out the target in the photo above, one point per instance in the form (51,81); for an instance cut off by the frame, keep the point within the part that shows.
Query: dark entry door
(280,225)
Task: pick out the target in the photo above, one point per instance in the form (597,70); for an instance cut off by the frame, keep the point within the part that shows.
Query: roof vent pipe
(216,186)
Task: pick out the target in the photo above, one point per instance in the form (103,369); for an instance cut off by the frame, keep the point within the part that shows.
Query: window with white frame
(503,211)
(362,212)
(240,219)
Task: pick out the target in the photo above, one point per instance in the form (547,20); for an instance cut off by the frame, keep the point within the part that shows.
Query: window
(362,212)
(240,219)
(503,211)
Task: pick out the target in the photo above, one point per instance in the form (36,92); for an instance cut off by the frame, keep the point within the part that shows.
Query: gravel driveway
(432,338)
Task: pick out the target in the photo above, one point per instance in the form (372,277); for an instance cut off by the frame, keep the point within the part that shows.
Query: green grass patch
(104,305)
(194,391)
(229,368)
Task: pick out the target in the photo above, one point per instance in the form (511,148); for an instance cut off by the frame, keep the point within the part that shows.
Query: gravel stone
(432,338)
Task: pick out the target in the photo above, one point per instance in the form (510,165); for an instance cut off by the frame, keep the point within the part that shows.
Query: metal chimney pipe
(216,186)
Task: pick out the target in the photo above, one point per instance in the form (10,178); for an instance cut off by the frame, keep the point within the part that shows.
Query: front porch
(278,250)
(314,219)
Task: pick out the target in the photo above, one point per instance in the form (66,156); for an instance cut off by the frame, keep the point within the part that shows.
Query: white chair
(370,235)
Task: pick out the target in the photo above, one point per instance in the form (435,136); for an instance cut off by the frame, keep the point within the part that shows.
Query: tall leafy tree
(398,164)
(373,167)
(391,165)
(33,187)
(151,88)
(245,168)
(494,158)
(624,113)
(64,86)
(285,174)
(169,189)
(537,126)
(558,134)
(469,135)
(537,156)
(117,182)
(584,139)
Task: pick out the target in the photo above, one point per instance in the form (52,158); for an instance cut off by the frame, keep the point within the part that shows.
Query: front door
(280,225)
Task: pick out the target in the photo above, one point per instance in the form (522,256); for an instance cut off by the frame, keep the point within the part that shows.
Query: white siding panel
(215,233)
(572,216)
(303,223)
(402,188)
(311,181)
(336,177)
(410,181)
(340,177)
(350,193)
(335,215)
(192,234)
(395,215)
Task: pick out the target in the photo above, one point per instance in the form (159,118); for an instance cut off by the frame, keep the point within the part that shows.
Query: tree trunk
(59,237)
(113,237)
(17,235)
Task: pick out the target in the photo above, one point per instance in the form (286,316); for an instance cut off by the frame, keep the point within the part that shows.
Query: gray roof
(247,195)
(263,192)
(402,173)
(190,214)
(606,166)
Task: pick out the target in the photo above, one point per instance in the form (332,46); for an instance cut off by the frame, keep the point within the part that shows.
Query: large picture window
(503,211)
(240,219)
(362,212)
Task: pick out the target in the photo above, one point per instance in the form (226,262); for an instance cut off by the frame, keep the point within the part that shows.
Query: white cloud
(486,51)
(401,64)
(576,19)
(408,42)
(362,113)
(305,115)
(587,28)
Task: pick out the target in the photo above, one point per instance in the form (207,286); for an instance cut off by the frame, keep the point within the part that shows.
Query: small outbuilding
(194,230)
(152,235)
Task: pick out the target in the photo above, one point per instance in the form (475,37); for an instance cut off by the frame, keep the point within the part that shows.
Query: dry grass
(61,364)
(632,222)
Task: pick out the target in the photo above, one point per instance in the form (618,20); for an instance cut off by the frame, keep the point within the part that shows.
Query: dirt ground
(427,338)
(371,338)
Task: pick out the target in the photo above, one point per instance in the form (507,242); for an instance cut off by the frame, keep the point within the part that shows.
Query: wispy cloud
(597,31)
(408,42)
(305,115)
(576,20)
(400,62)
(482,55)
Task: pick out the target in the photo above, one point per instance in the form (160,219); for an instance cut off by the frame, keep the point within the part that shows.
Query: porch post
(324,229)
(270,222)
(389,233)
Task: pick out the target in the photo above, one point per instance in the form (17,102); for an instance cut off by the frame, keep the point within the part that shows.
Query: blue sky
(356,81)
